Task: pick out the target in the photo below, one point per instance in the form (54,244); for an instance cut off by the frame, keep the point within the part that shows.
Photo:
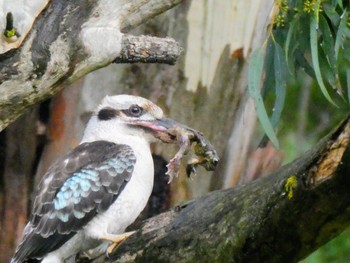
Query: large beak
(164,129)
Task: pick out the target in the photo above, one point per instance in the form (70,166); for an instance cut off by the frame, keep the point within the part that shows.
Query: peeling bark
(292,212)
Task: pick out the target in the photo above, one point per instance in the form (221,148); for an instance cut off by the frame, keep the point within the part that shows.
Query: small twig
(147,49)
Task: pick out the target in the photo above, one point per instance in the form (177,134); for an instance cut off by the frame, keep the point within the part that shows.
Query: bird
(87,198)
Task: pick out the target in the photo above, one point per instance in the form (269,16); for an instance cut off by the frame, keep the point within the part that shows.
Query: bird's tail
(16,259)
(18,256)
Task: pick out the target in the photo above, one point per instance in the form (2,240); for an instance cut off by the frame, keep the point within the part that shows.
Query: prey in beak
(170,131)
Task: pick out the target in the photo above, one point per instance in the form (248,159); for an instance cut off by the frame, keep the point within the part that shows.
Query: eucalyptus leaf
(255,73)
(327,43)
(281,81)
(340,3)
(290,36)
(341,33)
(315,59)
(328,73)
(269,78)
(331,13)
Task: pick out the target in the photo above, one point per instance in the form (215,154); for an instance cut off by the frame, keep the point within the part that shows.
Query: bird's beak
(163,129)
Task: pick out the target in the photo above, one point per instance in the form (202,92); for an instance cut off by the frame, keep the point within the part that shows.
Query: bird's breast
(130,202)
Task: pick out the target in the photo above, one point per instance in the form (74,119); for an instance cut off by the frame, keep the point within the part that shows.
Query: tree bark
(68,40)
(279,218)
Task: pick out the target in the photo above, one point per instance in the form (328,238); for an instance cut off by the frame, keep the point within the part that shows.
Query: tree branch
(292,212)
(148,49)
(57,51)
(143,10)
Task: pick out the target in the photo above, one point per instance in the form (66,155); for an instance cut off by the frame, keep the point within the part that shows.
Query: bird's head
(123,117)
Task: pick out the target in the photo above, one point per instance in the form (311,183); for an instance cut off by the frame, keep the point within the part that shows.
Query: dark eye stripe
(106,114)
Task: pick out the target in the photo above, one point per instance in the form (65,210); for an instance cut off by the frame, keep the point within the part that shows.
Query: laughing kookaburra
(89,197)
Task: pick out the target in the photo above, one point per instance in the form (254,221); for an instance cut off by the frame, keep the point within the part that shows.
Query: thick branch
(293,211)
(58,51)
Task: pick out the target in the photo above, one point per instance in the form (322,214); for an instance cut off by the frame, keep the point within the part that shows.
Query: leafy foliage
(309,36)
(254,76)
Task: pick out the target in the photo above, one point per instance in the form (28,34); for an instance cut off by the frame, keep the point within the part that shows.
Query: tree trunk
(18,168)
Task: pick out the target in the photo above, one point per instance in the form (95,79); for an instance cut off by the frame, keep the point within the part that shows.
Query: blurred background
(206,89)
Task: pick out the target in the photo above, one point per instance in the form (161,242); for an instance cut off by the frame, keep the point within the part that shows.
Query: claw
(116,240)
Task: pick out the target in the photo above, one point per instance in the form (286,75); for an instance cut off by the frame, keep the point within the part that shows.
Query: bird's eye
(135,111)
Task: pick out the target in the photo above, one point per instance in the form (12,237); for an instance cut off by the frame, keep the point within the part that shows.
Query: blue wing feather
(72,192)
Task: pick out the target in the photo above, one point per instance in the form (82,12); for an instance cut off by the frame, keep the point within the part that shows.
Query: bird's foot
(116,240)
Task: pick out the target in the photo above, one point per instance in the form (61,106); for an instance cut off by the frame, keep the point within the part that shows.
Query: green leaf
(290,35)
(327,43)
(255,72)
(342,32)
(328,73)
(331,13)
(280,66)
(340,3)
(328,62)
(269,78)
(314,58)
